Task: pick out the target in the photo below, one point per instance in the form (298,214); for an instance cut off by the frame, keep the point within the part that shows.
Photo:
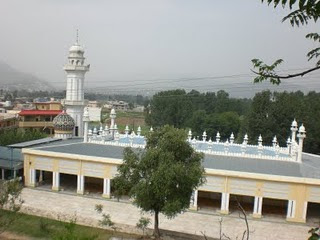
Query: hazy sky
(136,41)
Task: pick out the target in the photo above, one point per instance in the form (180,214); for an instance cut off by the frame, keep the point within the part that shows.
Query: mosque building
(263,178)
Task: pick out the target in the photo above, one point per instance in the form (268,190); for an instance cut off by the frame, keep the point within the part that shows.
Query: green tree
(260,119)
(10,199)
(143,224)
(302,12)
(12,136)
(161,178)
(169,107)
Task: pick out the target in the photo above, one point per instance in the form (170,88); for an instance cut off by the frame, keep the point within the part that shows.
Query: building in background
(50,105)
(117,105)
(8,120)
(41,117)
(94,114)
(93,104)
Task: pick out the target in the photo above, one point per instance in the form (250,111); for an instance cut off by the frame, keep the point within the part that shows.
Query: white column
(32,176)
(300,149)
(55,181)
(305,209)
(14,173)
(195,199)
(106,187)
(291,209)
(85,134)
(225,203)
(2,173)
(80,185)
(257,208)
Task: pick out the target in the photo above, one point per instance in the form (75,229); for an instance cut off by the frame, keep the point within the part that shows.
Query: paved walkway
(125,215)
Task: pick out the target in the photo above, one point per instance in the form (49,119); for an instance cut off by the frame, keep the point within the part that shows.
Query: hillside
(12,79)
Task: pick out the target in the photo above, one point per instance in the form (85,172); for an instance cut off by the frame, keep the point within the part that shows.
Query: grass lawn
(44,228)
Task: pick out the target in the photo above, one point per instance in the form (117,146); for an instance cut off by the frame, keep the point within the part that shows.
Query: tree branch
(245,219)
(301,74)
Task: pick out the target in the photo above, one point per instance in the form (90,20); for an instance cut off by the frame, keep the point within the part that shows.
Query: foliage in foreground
(143,223)
(10,199)
(161,178)
(302,12)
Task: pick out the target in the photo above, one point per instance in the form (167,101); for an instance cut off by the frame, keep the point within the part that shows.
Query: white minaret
(76,70)
(301,135)
(86,121)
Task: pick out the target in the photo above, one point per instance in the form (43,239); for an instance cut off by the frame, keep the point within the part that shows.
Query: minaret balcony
(70,67)
(75,102)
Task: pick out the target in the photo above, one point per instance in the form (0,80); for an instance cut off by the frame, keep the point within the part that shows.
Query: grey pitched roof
(10,158)
(310,168)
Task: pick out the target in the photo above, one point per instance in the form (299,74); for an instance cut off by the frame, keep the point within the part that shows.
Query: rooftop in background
(39,112)
(5,116)
(51,102)
(34,142)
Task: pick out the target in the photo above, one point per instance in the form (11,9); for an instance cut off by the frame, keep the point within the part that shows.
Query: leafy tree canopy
(12,136)
(161,178)
(302,12)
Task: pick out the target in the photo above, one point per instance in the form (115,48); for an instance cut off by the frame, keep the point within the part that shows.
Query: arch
(78,62)
(72,61)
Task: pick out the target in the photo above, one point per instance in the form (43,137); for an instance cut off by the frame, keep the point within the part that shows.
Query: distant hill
(12,79)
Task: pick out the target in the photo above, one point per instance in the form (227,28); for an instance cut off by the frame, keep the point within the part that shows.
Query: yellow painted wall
(233,183)
(48,106)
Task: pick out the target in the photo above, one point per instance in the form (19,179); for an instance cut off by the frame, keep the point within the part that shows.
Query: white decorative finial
(288,141)
(226,146)
(77,39)
(274,141)
(245,139)
(260,144)
(139,131)
(232,138)
(218,137)
(189,135)
(260,140)
(294,123)
(204,136)
(302,129)
(126,130)
(294,129)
